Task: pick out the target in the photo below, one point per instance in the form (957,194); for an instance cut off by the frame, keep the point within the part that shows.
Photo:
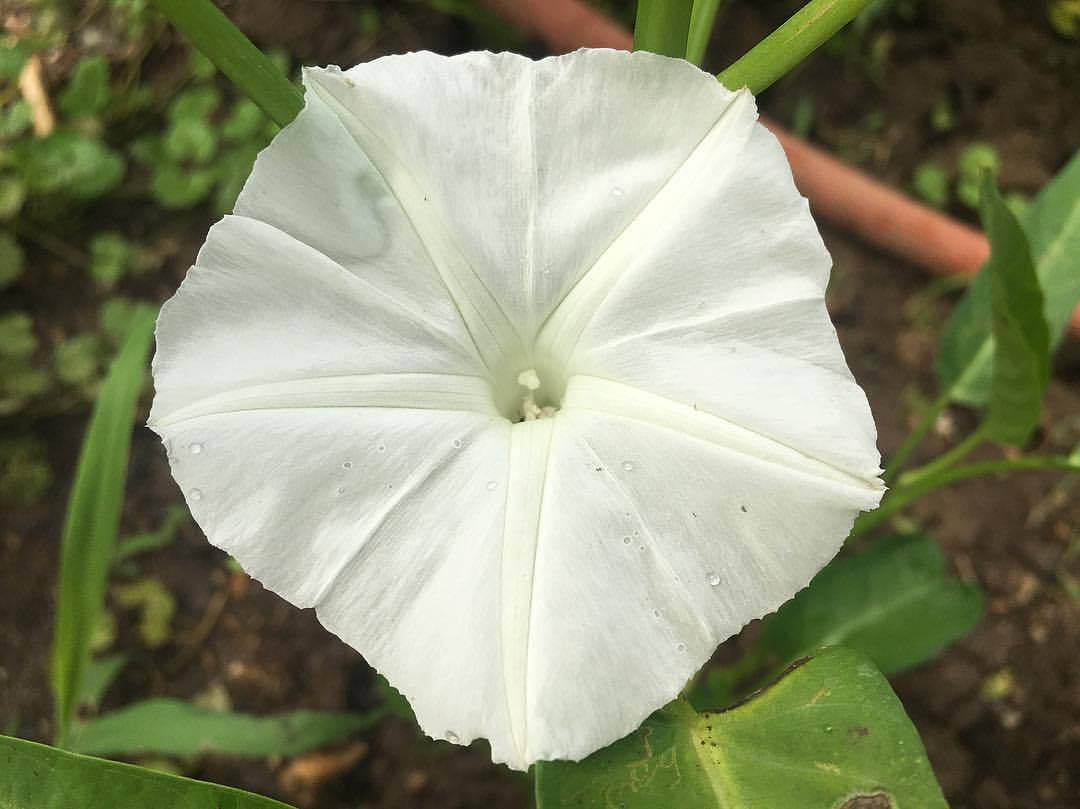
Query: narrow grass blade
(662,26)
(225,45)
(172,727)
(93,517)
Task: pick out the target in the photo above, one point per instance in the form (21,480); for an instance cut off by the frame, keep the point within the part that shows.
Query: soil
(999,711)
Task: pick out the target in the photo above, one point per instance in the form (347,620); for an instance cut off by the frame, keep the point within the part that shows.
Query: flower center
(535,403)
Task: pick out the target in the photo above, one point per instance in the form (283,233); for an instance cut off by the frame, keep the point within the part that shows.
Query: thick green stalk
(702,19)
(662,26)
(234,55)
(904,496)
(789,44)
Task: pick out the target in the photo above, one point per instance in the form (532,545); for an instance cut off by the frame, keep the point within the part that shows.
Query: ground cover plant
(805,696)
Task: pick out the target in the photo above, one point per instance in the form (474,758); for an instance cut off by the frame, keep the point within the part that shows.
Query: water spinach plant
(519,372)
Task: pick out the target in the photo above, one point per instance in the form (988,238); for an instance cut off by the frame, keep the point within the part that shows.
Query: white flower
(520,374)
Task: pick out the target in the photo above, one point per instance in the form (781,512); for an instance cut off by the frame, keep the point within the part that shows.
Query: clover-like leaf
(520,374)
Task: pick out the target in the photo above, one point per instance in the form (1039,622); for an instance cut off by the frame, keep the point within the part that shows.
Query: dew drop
(452,737)
(714,579)
(347,465)
(680,647)
(341,490)
(492,485)
(195,494)
(641,547)
(617,191)
(637,533)
(828,728)
(381,448)
(656,613)
(195,448)
(628,466)
(626,540)
(743,509)
(457,443)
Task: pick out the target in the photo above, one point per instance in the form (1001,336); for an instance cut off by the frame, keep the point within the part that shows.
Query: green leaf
(118,314)
(12,195)
(87,91)
(1021,336)
(97,678)
(226,46)
(190,139)
(34,776)
(156,606)
(894,603)
(17,338)
(245,121)
(931,184)
(175,516)
(965,357)
(93,517)
(15,119)
(830,731)
(976,161)
(13,55)
(111,257)
(175,187)
(196,104)
(233,167)
(173,727)
(662,26)
(69,163)
(77,359)
(11,259)
(24,470)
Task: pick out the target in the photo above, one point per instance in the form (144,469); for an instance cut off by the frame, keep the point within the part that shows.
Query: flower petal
(561,173)
(722,307)
(332,379)
(658,541)
(261,308)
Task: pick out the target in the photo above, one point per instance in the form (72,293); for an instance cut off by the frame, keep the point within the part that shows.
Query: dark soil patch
(1000,712)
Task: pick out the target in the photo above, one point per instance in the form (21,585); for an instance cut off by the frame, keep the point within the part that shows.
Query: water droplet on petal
(714,579)
(381,448)
(628,466)
(656,613)
(452,737)
(195,448)
(616,191)
(341,490)
(680,647)
(626,540)
(492,485)
(347,465)
(641,547)
(195,494)
(457,443)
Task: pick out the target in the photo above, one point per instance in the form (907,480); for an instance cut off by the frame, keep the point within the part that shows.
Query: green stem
(911,443)
(946,459)
(789,44)
(661,26)
(702,19)
(905,496)
(234,55)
